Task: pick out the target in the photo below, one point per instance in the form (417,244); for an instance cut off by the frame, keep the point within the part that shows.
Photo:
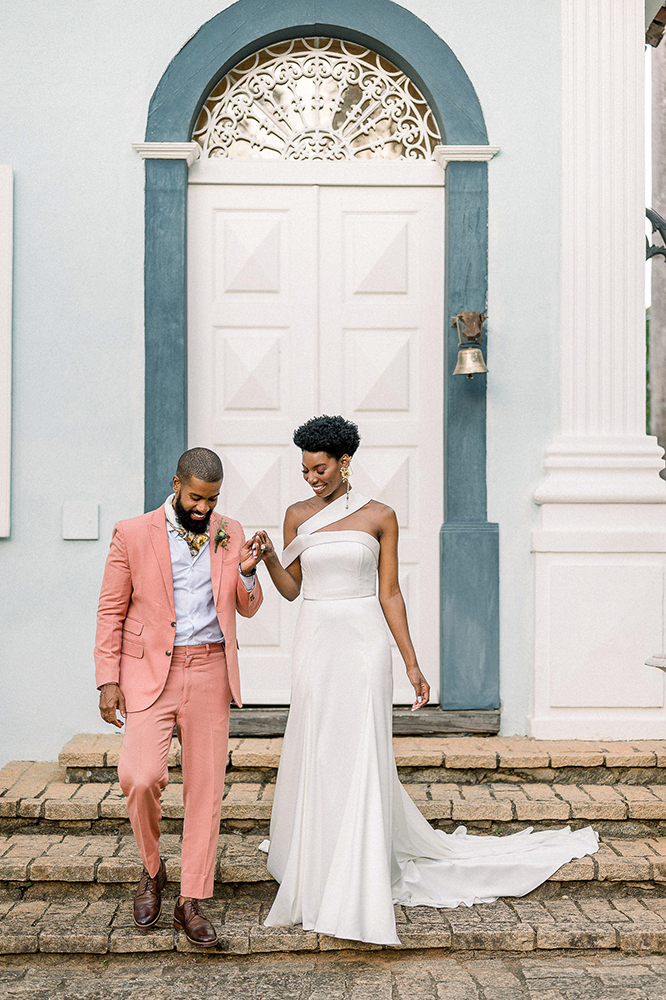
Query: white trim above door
(372,173)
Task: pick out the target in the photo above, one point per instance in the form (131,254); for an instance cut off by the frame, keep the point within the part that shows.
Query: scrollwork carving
(316,99)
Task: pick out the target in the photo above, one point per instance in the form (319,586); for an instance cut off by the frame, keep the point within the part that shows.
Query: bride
(346,841)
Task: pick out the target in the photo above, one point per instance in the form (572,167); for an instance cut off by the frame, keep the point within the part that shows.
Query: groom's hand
(112,701)
(250,555)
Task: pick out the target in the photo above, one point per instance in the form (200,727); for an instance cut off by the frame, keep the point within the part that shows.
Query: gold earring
(345,473)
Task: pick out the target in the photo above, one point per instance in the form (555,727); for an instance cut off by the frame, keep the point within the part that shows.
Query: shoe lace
(147,882)
(194,906)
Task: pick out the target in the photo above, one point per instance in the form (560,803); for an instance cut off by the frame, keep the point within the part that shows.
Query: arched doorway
(469,614)
(318,287)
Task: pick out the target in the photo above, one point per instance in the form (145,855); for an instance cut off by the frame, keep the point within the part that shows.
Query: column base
(601,727)
(599,615)
(603,470)
(469,622)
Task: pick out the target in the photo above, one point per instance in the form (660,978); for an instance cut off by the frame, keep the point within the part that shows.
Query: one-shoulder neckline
(329,514)
(316,538)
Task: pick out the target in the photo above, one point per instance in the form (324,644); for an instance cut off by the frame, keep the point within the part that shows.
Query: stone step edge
(456,753)
(58,801)
(101,870)
(243,939)
(115,859)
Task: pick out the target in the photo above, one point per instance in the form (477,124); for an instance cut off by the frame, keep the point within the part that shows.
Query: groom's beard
(198,527)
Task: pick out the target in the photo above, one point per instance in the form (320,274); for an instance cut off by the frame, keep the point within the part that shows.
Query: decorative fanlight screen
(316,99)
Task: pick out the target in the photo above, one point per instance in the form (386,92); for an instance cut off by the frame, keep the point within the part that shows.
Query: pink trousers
(196,697)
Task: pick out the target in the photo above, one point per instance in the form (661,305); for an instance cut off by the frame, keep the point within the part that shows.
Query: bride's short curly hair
(334,435)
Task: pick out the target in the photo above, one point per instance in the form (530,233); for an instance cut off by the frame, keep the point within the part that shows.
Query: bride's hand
(264,545)
(421,687)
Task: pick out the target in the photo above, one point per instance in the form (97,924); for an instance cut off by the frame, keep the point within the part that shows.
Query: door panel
(381,365)
(252,377)
(306,300)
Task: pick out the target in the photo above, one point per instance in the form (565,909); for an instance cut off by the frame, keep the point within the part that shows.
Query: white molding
(598,541)
(6,258)
(376,173)
(448,154)
(603,469)
(631,725)
(189,151)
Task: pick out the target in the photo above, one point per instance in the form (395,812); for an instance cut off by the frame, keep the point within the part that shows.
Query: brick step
(39,794)
(94,758)
(112,860)
(618,922)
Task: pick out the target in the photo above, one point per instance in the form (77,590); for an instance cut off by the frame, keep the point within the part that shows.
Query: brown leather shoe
(148,898)
(198,929)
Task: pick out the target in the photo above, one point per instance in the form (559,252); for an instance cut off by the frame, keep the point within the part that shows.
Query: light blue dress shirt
(196,618)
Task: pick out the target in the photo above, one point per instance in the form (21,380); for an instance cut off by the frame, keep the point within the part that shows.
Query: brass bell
(470,362)
(470,356)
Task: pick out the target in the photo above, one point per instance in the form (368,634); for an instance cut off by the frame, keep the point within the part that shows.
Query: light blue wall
(76,80)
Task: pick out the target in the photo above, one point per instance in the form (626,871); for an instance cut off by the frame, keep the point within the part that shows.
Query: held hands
(287,581)
(421,687)
(250,555)
(264,545)
(112,701)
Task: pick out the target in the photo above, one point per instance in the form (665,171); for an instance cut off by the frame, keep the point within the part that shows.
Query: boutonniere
(222,535)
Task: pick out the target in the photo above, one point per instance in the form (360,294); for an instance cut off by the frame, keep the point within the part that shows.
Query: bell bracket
(469,326)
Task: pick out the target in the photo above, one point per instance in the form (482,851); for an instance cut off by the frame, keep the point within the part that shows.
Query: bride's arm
(287,581)
(393,605)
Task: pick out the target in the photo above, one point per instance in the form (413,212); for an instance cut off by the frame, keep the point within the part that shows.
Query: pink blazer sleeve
(112,609)
(248,602)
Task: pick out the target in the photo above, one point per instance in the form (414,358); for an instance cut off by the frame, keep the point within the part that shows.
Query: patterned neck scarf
(194,541)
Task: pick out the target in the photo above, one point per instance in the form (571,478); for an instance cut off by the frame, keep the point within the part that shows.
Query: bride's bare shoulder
(379,509)
(297,513)
(382,515)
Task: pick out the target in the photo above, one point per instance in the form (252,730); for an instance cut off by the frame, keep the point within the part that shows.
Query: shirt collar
(170,513)
(172,517)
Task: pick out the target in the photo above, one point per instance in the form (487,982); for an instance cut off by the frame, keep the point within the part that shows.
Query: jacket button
(168,652)
(173,624)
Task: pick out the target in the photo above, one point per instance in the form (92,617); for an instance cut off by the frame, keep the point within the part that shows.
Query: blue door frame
(469,544)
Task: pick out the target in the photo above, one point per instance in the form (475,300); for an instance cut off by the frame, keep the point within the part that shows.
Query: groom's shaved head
(199,463)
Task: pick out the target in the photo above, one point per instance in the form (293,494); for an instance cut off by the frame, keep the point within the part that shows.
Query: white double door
(321,299)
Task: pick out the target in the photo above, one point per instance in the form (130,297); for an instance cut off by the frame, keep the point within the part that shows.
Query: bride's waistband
(347,597)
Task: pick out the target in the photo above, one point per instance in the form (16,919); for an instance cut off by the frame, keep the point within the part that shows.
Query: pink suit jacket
(136,618)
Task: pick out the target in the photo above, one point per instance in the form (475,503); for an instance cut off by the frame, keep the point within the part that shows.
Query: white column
(603,453)
(600,551)
(6,258)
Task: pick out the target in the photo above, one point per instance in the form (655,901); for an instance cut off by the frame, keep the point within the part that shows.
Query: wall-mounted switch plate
(80,520)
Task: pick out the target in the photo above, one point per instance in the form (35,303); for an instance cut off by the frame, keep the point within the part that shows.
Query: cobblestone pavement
(620,922)
(465,977)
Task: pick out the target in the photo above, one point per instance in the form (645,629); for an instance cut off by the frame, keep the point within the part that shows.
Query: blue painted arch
(469,545)
(381,25)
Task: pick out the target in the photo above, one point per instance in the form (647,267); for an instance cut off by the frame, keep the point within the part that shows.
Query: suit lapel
(160,542)
(216,558)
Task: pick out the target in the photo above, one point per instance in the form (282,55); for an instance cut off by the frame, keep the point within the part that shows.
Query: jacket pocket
(133,626)
(130,648)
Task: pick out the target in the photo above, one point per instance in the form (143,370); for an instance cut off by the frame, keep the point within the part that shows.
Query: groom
(165,654)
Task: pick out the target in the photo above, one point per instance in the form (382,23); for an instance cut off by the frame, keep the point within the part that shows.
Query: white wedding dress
(346,841)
